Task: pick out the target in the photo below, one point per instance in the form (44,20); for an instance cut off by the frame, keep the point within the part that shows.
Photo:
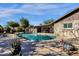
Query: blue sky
(35,13)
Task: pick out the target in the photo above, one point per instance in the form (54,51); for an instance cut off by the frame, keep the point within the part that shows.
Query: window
(68,25)
(65,25)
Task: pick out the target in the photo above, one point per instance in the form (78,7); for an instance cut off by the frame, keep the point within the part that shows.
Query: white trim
(69,28)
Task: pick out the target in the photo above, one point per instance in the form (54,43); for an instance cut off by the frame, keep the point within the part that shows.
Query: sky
(36,13)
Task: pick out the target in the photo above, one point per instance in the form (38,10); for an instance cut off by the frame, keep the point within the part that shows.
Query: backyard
(38,34)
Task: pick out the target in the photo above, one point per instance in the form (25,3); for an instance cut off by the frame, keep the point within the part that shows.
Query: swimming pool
(36,37)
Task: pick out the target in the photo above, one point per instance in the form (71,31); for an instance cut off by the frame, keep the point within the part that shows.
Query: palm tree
(24,23)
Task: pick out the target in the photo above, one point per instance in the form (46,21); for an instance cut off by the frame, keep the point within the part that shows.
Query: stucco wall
(60,31)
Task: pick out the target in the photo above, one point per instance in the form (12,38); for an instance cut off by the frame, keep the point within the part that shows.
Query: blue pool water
(36,37)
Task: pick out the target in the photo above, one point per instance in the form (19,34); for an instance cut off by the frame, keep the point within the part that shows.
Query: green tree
(24,23)
(1,29)
(6,28)
(48,21)
(12,25)
(40,24)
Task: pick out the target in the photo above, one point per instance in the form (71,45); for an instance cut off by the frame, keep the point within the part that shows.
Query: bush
(17,47)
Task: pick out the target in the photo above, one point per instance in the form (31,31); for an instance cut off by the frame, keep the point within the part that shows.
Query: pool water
(36,37)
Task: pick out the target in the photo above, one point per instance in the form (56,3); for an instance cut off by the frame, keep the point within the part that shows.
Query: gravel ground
(35,48)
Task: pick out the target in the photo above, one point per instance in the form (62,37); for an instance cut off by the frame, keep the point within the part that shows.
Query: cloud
(34,9)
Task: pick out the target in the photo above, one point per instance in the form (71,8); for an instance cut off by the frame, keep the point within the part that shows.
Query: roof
(63,17)
(44,25)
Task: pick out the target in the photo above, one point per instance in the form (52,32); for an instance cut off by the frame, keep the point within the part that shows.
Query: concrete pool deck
(36,48)
(27,47)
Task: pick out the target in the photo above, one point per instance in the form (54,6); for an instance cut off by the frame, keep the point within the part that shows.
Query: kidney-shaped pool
(36,37)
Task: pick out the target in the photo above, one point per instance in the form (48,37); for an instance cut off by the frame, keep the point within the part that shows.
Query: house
(67,26)
(47,28)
